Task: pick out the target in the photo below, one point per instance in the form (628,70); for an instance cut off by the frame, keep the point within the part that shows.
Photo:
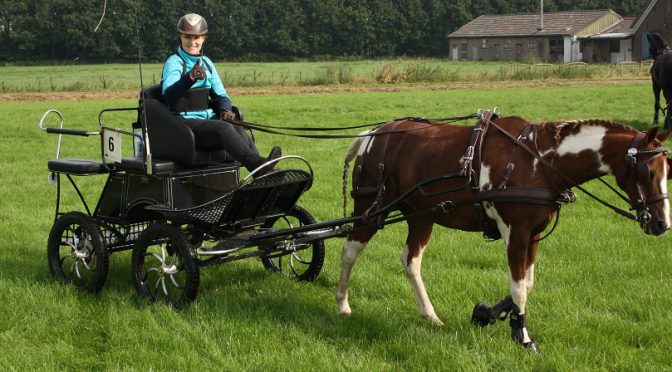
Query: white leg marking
(519,295)
(351,250)
(529,278)
(413,269)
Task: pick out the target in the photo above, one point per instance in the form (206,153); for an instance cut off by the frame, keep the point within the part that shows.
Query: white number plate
(112,146)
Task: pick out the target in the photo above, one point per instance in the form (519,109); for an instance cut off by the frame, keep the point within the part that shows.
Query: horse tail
(350,154)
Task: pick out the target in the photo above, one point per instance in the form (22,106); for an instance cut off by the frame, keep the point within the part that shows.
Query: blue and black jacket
(188,98)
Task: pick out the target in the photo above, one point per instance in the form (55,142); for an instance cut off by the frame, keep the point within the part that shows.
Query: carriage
(178,208)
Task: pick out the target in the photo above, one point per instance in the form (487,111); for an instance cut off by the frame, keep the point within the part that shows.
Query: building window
(556,49)
(484,44)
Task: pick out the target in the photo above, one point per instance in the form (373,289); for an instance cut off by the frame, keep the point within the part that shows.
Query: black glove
(197,72)
(227,115)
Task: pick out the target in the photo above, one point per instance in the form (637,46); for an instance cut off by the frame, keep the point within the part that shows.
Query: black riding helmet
(192,24)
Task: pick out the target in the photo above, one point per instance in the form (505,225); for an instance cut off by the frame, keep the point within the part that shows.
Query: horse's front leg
(521,250)
(656,103)
(419,231)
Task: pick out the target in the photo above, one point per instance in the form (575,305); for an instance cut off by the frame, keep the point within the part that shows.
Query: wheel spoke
(156,256)
(296,257)
(172,279)
(76,266)
(62,260)
(163,254)
(163,285)
(158,281)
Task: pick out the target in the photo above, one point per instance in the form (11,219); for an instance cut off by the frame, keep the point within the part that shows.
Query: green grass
(400,71)
(601,300)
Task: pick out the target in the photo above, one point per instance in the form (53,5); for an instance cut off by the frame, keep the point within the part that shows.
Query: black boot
(275,153)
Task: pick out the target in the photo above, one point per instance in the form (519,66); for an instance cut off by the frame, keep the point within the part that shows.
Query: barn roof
(557,23)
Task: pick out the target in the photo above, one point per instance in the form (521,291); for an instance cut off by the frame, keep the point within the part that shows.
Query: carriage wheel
(76,252)
(302,261)
(164,266)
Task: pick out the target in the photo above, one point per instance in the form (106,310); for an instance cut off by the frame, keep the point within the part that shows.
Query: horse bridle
(640,169)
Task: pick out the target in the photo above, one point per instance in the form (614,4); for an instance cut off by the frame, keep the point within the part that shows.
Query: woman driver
(189,80)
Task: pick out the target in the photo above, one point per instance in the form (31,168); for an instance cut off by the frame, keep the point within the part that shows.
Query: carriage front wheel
(302,261)
(76,252)
(164,266)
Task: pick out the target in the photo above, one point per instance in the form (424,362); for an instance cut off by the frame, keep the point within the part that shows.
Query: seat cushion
(77,166)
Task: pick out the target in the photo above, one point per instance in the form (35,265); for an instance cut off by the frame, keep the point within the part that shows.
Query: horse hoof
(532,347)
(481,315)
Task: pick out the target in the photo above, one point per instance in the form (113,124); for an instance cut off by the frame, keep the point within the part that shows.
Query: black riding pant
(217,134)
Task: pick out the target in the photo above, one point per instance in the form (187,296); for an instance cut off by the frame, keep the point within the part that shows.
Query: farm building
(570,36)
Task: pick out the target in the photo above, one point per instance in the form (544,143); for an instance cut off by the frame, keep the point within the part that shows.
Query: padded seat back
(169,137)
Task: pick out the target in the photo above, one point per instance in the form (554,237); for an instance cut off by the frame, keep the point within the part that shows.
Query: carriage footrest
(79,167)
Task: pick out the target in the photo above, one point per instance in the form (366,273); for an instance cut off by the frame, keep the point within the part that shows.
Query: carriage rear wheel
(164,266)
(76,252)
(302,261)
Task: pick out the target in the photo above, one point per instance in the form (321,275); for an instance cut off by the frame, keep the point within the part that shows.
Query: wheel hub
(169,269)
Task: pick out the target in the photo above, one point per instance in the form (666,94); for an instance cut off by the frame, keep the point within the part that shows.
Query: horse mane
(570,126)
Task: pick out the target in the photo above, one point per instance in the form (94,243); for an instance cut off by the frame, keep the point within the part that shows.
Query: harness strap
(474,148)
(523,136)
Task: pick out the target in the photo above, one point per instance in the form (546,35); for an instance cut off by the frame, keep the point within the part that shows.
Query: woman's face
(192,44)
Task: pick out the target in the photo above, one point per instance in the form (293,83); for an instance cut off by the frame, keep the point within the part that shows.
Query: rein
(272,129)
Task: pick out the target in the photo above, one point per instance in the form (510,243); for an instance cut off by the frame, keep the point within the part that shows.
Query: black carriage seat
(169,139)
(79,167)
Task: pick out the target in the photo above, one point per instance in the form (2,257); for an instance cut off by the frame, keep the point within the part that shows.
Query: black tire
(76,252)
(164,266)
(305,262)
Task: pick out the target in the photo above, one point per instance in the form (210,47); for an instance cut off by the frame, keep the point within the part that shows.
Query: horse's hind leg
(419,232)
(667,92)
(352,247)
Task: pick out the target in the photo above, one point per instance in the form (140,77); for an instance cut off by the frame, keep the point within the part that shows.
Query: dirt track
(244,91)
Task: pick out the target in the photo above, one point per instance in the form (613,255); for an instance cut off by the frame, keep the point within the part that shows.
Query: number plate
(112,146)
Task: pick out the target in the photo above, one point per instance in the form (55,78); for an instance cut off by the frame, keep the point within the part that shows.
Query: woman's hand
(197,72)
(227,115)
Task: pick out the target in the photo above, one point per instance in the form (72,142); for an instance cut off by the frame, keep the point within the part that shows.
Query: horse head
(657,45)
(643,174)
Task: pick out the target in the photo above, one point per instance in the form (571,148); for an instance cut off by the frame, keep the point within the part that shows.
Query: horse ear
(651,135)
(662,137)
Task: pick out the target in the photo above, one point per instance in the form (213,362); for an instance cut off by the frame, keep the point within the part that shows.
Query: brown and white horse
(508,186)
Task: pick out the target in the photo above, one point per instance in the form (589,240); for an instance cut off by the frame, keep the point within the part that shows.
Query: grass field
(601,300)
(125,76)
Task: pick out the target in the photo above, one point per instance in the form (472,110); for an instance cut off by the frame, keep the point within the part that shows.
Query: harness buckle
(566,197)
(468,156)
(446,206)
